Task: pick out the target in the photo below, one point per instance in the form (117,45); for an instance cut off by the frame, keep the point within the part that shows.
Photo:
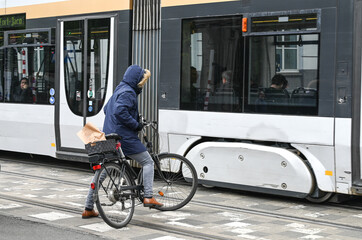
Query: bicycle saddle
(114,136)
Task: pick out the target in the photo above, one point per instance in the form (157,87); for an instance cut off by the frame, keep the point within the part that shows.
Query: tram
(259,95)
(222,106)
(70,54)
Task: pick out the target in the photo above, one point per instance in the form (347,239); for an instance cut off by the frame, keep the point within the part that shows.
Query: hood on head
(133,76)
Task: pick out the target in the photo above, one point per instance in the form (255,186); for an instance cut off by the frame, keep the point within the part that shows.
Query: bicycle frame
(154,156)
(126,167)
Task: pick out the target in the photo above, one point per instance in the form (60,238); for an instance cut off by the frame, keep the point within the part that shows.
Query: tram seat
(42,97)
(304,97)
(223,101)
(276,96)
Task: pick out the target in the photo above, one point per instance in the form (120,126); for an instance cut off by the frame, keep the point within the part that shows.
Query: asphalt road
(12,228)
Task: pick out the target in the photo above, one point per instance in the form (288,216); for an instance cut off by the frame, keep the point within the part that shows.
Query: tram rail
(135,222)
(194,202)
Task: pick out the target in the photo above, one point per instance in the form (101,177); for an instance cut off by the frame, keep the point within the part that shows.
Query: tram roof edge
(54,8)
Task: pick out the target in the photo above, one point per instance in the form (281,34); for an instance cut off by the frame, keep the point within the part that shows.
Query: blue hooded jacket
(122,111)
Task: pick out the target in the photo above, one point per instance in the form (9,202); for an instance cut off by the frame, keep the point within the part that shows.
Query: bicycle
(117,185)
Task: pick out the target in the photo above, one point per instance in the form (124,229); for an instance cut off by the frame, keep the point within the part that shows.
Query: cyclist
(122,118)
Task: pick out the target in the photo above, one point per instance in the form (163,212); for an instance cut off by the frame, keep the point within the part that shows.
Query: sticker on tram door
(52,100)
(77,96)
(90,94)
(90,108)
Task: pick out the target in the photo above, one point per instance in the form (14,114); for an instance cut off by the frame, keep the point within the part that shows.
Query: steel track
(134,222)
(206,204)
(199,203)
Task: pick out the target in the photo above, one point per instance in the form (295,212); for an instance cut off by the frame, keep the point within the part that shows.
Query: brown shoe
(151,202)
(89,214)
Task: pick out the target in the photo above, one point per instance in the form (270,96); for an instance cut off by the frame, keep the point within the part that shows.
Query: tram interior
(213,46)
(27,56)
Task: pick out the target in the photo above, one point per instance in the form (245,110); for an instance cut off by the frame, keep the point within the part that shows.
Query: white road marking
(98,227)
(167,238)
(50,196)
(74,204)
(301,228)
(78,196)
(51,216)
(315,215)
(30,195)
(9,206)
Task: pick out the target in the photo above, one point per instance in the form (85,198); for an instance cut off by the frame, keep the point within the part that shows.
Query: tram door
(86,77)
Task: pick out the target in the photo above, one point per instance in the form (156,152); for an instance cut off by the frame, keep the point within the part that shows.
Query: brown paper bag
(90,134)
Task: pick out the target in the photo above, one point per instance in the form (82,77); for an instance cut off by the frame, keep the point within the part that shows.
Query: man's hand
(140,127)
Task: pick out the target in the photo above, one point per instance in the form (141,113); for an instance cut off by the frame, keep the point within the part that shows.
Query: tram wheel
(320,196)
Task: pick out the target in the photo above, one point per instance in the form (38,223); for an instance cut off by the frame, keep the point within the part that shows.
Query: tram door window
(29,70)
(73,65)
(212,53)
(98,45)
(86,90)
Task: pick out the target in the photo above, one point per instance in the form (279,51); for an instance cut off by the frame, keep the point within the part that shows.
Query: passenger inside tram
(290,62)
(22,93)
(226,85)
(277,91)
(224,94)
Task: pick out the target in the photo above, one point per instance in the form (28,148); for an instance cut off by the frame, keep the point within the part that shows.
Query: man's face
(24,84)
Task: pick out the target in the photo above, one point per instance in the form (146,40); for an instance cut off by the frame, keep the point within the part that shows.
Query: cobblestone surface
(233,215)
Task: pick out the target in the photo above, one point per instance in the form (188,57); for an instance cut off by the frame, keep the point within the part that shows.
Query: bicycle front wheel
(175,183)
(115,205)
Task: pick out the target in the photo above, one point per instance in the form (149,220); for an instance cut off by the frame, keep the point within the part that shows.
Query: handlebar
(146,123)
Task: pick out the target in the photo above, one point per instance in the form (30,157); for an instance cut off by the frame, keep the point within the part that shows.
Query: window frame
(51,34)
(249,16)
(292,108)
(236,105)
(6,45)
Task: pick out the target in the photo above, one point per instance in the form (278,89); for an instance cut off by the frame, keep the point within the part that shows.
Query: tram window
(211,77)
(283,74)
(73,65)
(97,64)
(284,22)
(1,39)
(98,45)
(29,38)
(1,75)
(29,74)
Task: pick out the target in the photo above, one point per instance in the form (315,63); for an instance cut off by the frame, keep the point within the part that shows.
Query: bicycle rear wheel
(115,206)
(179,184)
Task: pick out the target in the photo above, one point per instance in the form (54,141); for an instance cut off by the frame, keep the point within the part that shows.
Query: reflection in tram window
(98,45)
(293,58)
(37,66)
(212,64)
(97,64)
(73,65)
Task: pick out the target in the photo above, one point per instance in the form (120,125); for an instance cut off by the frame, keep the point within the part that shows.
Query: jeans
(143,158)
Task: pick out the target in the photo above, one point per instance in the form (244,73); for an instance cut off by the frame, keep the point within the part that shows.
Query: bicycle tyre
(181,182)
(115,208)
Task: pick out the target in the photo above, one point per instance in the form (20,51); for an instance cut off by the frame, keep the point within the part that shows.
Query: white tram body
(231,164)
(301,138)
